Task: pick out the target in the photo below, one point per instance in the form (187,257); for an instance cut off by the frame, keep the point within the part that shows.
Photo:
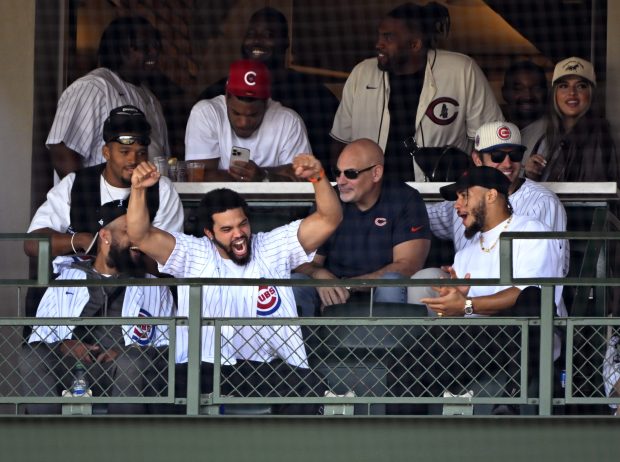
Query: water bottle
(80,385)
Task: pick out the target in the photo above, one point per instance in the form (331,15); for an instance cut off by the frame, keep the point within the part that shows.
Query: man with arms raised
(230,250)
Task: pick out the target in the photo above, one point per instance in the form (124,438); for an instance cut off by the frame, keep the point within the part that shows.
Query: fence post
(546,351)
(194,347)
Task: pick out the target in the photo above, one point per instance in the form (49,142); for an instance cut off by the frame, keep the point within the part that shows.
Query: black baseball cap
(126,120)
(110,211)
(487,177)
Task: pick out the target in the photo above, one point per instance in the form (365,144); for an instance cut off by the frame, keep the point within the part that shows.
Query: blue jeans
(308,300)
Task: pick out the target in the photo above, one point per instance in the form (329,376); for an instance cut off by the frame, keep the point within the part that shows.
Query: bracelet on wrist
(317,178)
(72,245)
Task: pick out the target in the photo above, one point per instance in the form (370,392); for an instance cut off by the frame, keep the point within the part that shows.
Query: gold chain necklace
(488,249)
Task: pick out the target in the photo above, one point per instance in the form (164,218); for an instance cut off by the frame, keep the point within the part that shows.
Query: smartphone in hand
(242,154)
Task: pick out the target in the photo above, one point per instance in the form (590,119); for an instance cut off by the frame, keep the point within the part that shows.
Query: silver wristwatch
(469,307)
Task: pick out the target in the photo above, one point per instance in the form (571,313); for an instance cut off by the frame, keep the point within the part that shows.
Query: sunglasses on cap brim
(516,155)
(351,173)
(128,140)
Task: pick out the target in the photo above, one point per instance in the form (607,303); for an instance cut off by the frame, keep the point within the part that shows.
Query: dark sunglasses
(351,173)
(498,157)
(128,140)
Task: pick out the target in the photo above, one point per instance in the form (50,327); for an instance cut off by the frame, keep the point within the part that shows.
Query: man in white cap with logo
(245,123)
(498,145)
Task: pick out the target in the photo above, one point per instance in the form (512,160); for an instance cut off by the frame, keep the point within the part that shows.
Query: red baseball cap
(249,78)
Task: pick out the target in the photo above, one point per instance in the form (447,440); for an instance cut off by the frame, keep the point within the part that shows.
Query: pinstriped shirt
(87,102)
(273,255)
(68,302)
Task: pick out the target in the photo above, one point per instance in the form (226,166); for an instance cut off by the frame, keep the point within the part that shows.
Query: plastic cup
(195,171)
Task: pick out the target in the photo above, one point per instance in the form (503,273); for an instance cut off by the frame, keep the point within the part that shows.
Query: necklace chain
(488,249)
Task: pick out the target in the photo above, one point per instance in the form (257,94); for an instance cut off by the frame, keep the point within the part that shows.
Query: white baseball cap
(574,66)
(495,135)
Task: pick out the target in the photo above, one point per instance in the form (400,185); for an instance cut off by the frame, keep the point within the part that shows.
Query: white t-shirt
(274,255)
(532,258)
(55,212)
(209,135)
(532,199)
(86,104)
(456,99)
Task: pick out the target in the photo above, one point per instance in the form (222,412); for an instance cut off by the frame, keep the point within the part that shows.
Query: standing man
(67,214)
(117,358)
(498,145)
(525,93)
(228,249)
(247,118)
(266,40)
(384,233)
(412,94)
(127,53)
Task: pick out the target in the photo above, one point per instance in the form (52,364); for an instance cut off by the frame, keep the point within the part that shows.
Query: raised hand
(144,176)
(306,167)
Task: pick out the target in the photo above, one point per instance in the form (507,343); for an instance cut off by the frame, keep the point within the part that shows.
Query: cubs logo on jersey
(268,301)
(443,111)
(143,334)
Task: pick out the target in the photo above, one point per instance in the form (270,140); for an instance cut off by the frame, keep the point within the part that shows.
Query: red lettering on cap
(503,132)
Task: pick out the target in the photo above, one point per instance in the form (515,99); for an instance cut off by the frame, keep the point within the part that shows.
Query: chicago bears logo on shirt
(143,334)
(268,300)
(380,221)
(443,111)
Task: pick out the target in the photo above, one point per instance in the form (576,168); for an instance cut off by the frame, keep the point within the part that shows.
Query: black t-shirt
(364,241)
(404,98)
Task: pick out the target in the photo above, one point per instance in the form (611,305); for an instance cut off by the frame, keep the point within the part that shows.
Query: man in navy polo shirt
(384,233)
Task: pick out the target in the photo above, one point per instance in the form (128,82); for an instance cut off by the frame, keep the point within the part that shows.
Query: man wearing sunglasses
(384,233)
(498,145)
(127,56)
(67,213)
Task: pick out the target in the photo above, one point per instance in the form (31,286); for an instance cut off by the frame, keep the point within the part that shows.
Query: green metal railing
(194,401)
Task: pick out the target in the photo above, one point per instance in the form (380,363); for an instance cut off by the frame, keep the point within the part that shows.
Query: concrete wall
(16,113)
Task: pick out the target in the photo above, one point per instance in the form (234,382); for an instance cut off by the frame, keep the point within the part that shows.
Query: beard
(241,261)
(125,261)
(480,214)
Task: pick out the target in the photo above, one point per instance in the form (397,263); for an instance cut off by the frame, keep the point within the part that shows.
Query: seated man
(267,40)
(117,358)
(384,233)
(498,145)
(482,204)
(228,249)
(245,119)
(67,214)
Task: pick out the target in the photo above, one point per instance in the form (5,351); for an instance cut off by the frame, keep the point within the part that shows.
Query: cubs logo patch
(380,221)
(443,111)
(268,301)
(250,78)
(504,133)
(143,334)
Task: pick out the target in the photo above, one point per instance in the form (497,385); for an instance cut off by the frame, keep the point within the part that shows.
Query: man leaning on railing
(120,361)
(255,360)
